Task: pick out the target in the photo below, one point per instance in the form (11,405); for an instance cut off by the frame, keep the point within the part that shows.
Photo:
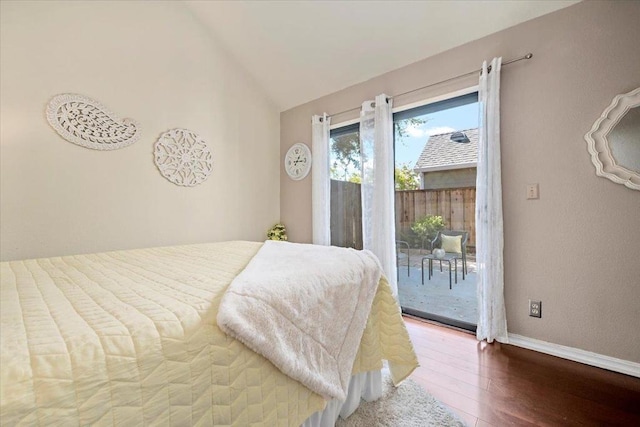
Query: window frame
(446,101)
(414,105)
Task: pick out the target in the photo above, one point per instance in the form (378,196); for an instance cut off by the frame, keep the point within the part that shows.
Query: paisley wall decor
(86,122)
(183,157)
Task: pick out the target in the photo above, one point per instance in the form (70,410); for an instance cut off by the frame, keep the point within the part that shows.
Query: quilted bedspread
(276,305)
(130,338)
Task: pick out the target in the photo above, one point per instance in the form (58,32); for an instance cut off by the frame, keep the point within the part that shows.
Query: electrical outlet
(535,308)
(533,191)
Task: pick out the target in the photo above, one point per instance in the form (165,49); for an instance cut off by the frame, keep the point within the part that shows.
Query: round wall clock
(297,161)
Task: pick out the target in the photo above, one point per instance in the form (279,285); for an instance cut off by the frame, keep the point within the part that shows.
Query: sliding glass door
(435,178)
(435,167)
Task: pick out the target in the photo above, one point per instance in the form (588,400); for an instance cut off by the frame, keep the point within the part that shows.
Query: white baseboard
(577,355)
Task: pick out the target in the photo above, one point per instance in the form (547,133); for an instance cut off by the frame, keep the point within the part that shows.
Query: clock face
(297,161)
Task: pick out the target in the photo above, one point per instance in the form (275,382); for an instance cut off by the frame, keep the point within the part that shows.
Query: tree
(401,126)
(406,179)
(355,178)
(346,150)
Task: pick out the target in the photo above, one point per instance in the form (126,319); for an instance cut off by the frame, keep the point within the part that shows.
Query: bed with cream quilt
(131,338)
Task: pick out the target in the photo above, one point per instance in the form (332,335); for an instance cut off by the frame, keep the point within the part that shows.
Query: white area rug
(408,405)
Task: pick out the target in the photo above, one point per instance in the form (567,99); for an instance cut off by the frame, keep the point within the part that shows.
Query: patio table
(447,258)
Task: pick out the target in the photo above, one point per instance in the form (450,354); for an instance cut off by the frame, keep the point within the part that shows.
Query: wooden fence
(346,214)
(455,206)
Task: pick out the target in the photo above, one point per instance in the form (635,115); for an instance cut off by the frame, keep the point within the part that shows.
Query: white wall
(153,62)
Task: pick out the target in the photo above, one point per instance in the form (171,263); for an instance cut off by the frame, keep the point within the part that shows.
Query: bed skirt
(367,386)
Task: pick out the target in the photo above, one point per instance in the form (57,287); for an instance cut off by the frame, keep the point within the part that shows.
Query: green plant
(277,232)
(406,234)
(428,226)
(406,178)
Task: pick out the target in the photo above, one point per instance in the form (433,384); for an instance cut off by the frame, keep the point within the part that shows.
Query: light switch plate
(533,191)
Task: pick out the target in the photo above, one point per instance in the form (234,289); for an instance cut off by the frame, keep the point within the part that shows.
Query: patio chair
(401,244)
(437,243)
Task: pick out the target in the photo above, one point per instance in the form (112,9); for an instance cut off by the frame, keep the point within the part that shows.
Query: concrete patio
(435,297)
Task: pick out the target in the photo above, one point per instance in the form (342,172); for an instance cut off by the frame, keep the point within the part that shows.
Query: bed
(131,338)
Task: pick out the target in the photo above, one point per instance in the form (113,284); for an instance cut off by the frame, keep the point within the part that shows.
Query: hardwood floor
(498,385)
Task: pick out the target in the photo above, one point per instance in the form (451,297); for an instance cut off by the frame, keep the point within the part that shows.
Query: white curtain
(321,183)
(492,321)
(378,211)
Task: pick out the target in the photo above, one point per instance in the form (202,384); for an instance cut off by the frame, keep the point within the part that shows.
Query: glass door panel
(346,207)
(435,171)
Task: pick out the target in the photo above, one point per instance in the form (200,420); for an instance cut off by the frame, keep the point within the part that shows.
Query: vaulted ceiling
(301,50)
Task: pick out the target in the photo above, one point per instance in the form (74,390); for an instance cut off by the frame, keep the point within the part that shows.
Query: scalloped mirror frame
(598,144)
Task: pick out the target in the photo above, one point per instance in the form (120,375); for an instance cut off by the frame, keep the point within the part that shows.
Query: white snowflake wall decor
(86,122)
(183,157)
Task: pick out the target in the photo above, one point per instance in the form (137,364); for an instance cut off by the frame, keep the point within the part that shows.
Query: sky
(460,118)
(408,149)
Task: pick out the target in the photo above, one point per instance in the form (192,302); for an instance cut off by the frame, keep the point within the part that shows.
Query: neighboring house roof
(442,153)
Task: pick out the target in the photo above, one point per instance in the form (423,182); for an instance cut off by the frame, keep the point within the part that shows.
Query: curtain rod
(511,61)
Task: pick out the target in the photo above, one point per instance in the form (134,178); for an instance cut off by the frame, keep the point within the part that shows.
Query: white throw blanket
(304,307)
